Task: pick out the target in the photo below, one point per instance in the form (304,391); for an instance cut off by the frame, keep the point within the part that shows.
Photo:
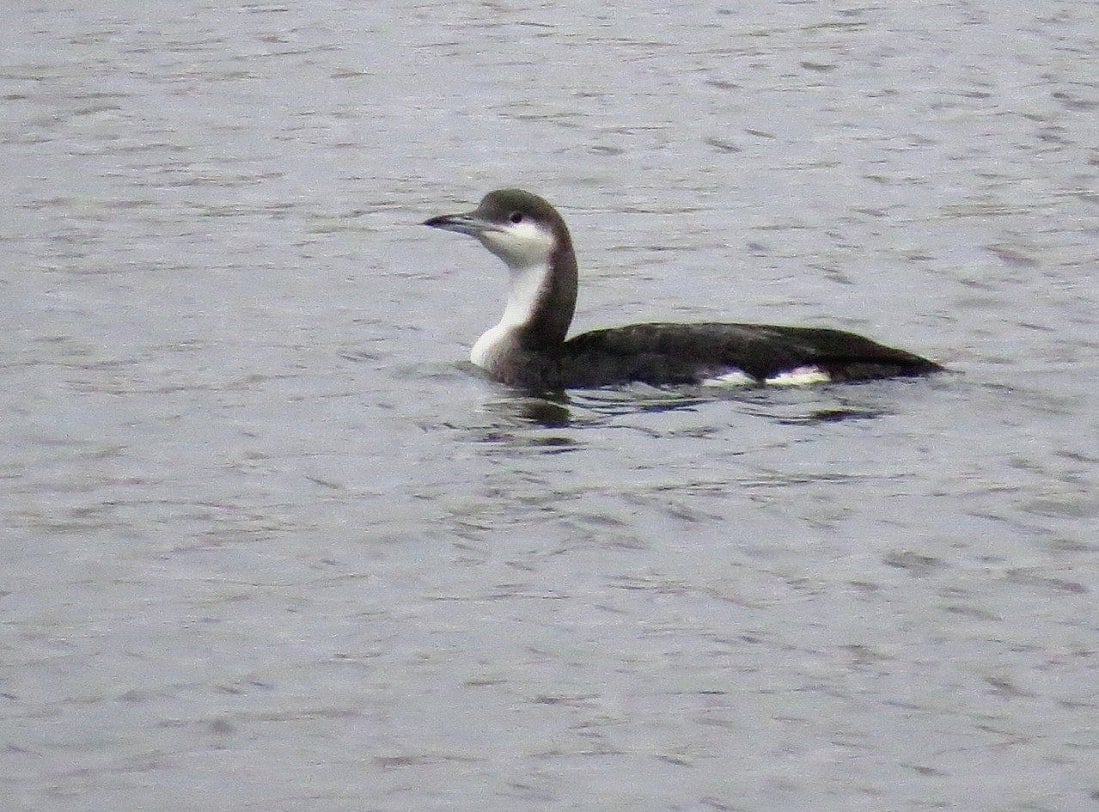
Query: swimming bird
(528,348)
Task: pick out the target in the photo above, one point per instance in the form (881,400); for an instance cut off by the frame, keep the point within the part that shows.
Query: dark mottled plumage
(690,353)
(528,348)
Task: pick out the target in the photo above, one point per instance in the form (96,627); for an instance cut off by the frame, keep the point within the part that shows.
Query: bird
(529,347)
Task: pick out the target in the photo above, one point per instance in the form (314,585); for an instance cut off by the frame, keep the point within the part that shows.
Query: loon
(528,348)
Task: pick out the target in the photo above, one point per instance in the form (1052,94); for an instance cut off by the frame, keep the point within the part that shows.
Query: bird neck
(541,300)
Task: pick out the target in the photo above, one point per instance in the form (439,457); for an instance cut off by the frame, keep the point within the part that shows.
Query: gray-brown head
(528,234)
(521,228)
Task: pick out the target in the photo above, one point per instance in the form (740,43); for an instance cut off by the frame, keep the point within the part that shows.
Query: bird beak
(468,223)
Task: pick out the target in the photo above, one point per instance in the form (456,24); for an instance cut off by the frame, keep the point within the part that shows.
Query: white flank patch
(734,377)
(801,376)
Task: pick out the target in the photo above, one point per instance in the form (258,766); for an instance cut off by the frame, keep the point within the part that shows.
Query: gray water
(268,544)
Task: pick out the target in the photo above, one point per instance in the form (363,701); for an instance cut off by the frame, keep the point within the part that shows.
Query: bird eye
(516,217)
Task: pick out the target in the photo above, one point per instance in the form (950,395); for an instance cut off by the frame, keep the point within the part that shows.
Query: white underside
(801,376)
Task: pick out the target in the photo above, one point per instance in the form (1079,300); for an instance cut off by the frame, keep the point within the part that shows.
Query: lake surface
(269,544)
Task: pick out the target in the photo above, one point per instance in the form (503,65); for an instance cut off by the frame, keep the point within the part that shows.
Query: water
(269,545)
